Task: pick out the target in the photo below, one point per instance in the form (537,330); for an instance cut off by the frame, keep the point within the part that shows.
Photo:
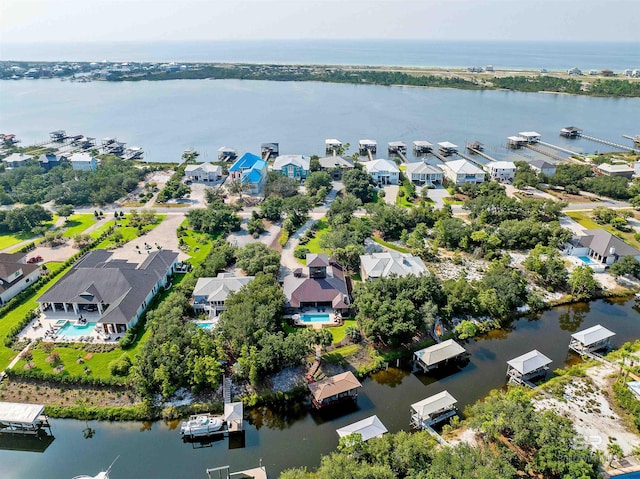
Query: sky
(70,21)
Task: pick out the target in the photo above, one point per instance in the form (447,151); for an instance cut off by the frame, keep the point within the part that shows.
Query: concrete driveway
(391,194)
(438,194)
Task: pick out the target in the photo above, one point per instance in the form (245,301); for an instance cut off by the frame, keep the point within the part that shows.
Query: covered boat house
(447,148)
(332,145)
(19,418)
(527,367)
(432,410)
(437,355)
(397,147)
(591,340)
(335,389)
(368,428)
(421,147)
(366,146)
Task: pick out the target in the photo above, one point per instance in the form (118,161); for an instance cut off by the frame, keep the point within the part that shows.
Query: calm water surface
(296,436)
(166,117)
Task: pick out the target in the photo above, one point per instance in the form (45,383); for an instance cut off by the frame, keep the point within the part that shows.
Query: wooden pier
(368,148)
(563,150)
(635,139)
(545,152)
(471,148)
(471,160)
(571,132)
(607,142)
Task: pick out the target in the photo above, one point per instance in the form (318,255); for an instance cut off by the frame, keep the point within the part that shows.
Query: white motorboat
(100,475)
(201,425)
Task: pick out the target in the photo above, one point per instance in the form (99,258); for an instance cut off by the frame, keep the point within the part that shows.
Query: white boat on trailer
(201,425)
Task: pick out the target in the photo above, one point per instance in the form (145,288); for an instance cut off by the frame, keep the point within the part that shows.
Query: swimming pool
(205,325)
(315,318)
(71,331)
(586,260)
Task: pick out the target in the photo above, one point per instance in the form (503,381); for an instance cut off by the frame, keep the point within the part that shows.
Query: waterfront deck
(529,366)
(437,355)
(588,341)
(433,410)
(223,472)
(19,418)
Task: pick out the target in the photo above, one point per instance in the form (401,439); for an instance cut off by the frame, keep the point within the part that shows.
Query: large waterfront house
(251,170)
(83,162)
(112,292)
(383,172)
(462,171)
(16,160)
(543,167)
(422,173)
(15,275)
(600,248)
(335,165)
(323,285)
(387,264)
(608,169)
(203,172)
(293,166)
(51,160)
(210,294)
(502,171)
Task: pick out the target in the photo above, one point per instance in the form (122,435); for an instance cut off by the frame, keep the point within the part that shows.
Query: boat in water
(100,475)
(201,425)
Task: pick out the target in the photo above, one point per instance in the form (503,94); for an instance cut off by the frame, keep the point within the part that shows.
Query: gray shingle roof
(602,242)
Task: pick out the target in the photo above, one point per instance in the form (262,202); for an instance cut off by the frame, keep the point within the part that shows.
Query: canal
(294,435)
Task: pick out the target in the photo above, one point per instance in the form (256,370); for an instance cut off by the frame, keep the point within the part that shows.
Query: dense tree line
(27,218)
(216,219)
(31,184)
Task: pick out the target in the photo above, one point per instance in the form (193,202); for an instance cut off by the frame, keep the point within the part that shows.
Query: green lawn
(340,332)
(199,246)
(314,245)
(76,224)
(128,232)
(7,240)
(584,220)
(392,246)
(337,355)
(447,201)
(98,363)
(402,200)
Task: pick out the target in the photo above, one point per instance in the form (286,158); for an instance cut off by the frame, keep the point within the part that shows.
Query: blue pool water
(71,331)
(586,260)
(315,318)
(631,475)
(205,325)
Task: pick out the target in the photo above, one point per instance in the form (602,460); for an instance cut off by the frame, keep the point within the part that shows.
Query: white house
(599,247)
(463,171)
(16,160)
(83,162)
(383,265)
(203,172)
(543,167)
(383,172)
(210,294)
(423,173)
(15,275)
(618,169)
(502,171)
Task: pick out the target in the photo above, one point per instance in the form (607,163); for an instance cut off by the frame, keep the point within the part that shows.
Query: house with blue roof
(293,166)
(251,170)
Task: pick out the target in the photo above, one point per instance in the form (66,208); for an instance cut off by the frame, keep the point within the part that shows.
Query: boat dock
(433,410)
(437,355)
(529,366)
(422,147)
(19,418)
(635,139)
(332,146)
(267,150)
(607,142)
(398,149)
(224,473)
(545,152)
(477,148)
(368,148)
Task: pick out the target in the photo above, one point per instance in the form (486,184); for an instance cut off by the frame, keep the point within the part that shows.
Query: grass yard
(199,245)
(98,363)
(340,332)
(392,246)
(314,245)
(76,224)
(7,240)
(337,355)
(584,220)
(128,232)
(402,200)
(450,200)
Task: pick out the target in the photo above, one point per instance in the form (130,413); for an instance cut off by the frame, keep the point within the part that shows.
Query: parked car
(34,259)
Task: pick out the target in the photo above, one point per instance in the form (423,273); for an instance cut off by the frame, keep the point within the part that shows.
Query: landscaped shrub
(120,366)
(301,252)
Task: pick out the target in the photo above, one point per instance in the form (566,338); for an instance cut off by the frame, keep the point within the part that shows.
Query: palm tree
(237,187)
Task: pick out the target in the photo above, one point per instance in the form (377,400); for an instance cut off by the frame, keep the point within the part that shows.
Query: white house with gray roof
(203,172)
(601,247)
(210,294)
(392,263)
(463,171)
(383,172)
(112,292)
(424,174)
(16,275)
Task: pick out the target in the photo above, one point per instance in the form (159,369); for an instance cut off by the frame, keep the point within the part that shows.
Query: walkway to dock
(545,152)
(226,389)
(442,158)
(370,153)
(480,153)
(607,142)
(471,160)
(563,150)
(438,437)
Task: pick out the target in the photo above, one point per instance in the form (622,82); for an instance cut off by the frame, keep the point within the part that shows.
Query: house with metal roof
(543,167)
(322,286)
(392,263)
(251,170)
(51,160)
(210,294)
(529,366)
(335,165)
(293,166)
(16,160)
(383,172)
(423,173)
(16,275)
(368,428)
(83,162)
(463,171)
(502,171)
(601,247)
(608,169)
(334,389)
(203,172)
(110,291)
(437,355)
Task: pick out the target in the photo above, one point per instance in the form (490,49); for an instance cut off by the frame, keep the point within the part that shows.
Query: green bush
(301,253)
(120,366)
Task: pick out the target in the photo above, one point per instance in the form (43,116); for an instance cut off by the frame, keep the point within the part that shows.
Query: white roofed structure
(527,366)
(234,415)
(432,356)
(367,428)
(530,136)
(392,263)
(592,339)
(448,145)
(432,410)
(22,418)
(330,143)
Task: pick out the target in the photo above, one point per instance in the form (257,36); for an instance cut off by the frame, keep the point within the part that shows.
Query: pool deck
(44,327)
(335,319)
